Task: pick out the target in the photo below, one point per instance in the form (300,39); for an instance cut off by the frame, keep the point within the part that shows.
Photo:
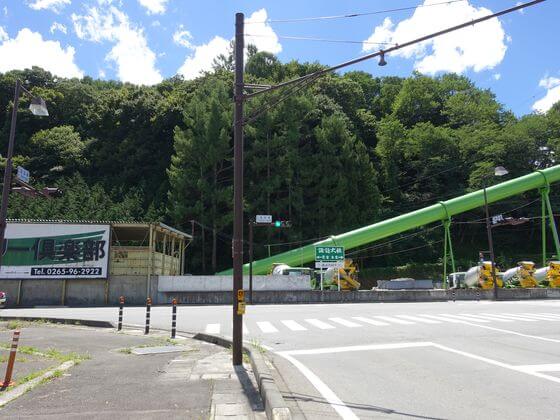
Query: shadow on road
(366,407)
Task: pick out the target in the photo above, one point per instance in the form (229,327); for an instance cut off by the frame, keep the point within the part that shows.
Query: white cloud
(552,84)
(58,27)
(258,33)
(5,10)
(182,37)
(497,76)
(53,5)
(136,62)
(29,49)
(261,34)
(477,47)
(101,74)
(154,6)
(3,34)
(203,57)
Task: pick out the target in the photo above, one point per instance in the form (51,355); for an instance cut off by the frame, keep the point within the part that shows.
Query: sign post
(329,257)
(23,174)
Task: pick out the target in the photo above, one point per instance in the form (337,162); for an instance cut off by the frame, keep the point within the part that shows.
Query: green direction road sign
(329,253)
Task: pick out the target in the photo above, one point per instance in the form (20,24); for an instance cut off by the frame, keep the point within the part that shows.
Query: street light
(498,171)
(39,108)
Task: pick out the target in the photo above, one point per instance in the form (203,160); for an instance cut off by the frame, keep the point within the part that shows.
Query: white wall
(225,283)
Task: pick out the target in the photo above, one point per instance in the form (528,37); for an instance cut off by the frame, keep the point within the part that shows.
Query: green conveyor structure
(440,212)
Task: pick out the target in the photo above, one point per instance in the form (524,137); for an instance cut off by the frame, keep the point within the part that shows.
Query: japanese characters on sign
(329,253)
(53,250)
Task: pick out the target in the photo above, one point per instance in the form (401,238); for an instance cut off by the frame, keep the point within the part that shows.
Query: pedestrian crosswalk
(331,323)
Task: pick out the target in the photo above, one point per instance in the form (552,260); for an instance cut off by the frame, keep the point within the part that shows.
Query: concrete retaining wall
(78,292)
(169,284)
(82,292)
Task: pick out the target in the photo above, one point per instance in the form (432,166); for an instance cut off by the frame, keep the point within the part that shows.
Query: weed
(258,346)
(126,350)
(14,325)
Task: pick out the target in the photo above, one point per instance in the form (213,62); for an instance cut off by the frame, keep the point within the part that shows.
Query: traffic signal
(282,224)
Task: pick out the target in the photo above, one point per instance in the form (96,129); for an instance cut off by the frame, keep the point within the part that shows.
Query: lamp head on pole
(38,107)
(382,61)
(500,171)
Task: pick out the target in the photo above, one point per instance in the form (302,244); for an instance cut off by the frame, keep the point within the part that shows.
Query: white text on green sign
(329,253)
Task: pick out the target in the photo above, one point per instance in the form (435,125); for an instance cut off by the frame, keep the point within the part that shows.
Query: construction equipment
(550,274)
(481,276)
(347,275)
(523,275)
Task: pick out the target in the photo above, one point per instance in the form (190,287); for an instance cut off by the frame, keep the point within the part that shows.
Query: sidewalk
(129,376)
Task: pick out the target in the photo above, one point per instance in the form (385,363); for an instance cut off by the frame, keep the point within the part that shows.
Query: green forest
(344,152)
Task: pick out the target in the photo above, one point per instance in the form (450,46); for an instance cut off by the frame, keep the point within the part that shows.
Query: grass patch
(4,359)
(31,376)
(126,350)
(258,346)
(14,325)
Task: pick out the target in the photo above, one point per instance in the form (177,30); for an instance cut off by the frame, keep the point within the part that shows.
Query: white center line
(370,321)
(213,328)
(395,320)
(418,319)
(293,325)
(267,327)
(319,324)
(344,322)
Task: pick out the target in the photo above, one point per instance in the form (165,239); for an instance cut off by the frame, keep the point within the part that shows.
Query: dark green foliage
(347,151)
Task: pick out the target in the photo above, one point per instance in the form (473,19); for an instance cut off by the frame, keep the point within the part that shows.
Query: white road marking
(327,393)
(515,317)
(213,328)
(541,317)
(551,367)
(492,317)
(267,327)
(465,318)
(245,329)
(344,322)
(497,363)
(370,321)
(319,324)
(550,314)
(418,319)
(443,318)
(364,347)
(394,320)
(293,325)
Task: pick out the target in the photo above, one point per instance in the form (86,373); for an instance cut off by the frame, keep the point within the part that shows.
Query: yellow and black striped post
(148,307)
(121,306)
(10,368)
(174,318)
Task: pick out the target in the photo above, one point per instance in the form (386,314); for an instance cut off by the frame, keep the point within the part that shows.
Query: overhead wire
(305,38)
(352,15)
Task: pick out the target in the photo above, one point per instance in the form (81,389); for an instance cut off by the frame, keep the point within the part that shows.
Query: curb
(19,390)
(85,322)
(274,404)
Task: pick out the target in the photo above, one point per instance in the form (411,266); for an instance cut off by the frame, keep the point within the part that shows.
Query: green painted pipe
(437,212)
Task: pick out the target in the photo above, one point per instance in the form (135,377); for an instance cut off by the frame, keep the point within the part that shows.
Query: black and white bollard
(478,294)
(121,306)
(174,318)
(148,307)
(453,294)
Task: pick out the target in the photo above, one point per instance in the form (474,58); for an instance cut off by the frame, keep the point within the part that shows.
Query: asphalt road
(459,360)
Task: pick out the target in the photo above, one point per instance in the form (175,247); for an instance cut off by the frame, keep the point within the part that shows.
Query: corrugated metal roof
(112,223)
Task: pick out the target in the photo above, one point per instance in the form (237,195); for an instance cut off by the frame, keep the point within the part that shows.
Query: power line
(353,15)
(306,38)
(401,251)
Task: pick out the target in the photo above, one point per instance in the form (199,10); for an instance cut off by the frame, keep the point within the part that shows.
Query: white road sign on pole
(23,174)
(263,218)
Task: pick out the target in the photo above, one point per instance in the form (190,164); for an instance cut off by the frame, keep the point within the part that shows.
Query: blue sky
(143,41)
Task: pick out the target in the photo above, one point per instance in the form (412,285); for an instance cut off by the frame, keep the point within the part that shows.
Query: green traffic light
(278,223)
